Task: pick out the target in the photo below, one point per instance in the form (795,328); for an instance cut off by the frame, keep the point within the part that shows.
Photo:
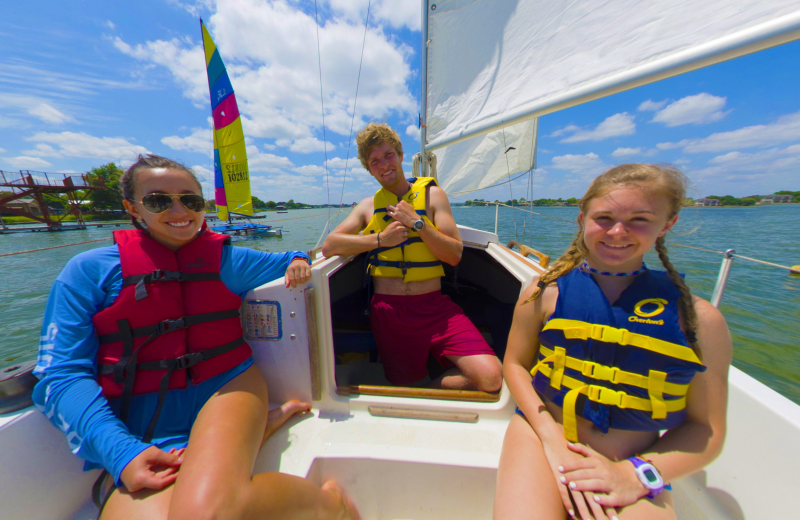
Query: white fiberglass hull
(438,460)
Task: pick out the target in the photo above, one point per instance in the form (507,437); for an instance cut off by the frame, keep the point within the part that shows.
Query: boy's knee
(201,505)
(490,378)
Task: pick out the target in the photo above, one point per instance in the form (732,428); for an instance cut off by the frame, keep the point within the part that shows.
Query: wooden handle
(428,393)
(544,260)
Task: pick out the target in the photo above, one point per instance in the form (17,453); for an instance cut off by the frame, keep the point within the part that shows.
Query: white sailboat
(489,69)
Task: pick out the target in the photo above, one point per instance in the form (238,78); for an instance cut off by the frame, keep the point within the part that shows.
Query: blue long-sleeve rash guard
(68,392)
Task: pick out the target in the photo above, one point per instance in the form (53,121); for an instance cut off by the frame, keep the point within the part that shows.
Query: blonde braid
(685,302)
(568,261)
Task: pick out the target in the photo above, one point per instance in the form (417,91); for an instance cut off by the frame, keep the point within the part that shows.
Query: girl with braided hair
(603,354)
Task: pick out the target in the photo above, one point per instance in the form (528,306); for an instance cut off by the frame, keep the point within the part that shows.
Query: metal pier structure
(71,188)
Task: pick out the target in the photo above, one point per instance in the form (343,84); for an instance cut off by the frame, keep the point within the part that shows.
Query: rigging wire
(355,100)
(465,192)
(322,102)
(508,169)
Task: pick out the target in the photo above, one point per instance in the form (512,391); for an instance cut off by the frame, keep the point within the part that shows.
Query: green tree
(111,196)
(258,203)
(271,204)
(571,200)
(211,205)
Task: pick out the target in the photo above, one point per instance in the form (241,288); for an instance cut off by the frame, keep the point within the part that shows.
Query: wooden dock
(64,227)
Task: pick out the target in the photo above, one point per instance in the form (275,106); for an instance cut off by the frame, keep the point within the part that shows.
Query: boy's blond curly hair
(375,134)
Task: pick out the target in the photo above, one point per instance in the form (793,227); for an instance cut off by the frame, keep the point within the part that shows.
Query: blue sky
(87,82)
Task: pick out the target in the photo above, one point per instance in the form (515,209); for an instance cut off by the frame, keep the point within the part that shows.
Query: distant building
(776,199)
(707,202)
(28,206)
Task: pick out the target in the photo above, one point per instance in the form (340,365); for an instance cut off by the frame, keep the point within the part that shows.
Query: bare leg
(278,416)
(525,487)
(215,478)
(479,372)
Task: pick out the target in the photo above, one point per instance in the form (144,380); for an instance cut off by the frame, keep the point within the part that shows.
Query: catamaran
(231,173)
(488,70)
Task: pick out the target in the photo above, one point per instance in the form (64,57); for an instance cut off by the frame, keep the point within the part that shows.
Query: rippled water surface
(761,303)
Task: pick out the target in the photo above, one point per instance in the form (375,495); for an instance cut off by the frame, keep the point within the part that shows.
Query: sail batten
(486,69)
(231,173)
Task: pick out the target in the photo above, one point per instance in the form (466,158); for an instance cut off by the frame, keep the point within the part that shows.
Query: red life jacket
(173,315)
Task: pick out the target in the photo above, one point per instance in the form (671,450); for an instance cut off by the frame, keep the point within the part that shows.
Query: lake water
(761,303)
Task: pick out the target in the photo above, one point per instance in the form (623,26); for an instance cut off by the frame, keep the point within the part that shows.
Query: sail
(231,174)
(483,160)
(487,67)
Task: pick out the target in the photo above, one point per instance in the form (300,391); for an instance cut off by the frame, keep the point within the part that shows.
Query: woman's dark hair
(127,182)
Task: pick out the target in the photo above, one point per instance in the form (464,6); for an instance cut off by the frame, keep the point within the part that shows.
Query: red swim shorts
(407,328)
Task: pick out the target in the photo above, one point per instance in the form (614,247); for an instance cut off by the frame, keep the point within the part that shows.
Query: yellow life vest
(411,260)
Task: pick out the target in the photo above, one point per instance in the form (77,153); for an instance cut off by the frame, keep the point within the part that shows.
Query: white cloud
(305,145)
(309,169)
(109,25)
(266,162)
(49,114)
(562,131)
(625,152)
(2,150)
(577,163)
(650,105)
(395,13)
(763,171)
(270,51)
(698,109)
(785,129)
(80,144)
(42,150)
(200,141)
(206,178)
(413,132)
(23,162)
(612,126)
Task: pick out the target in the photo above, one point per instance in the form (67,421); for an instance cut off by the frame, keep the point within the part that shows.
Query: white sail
(486,69)
(483,160)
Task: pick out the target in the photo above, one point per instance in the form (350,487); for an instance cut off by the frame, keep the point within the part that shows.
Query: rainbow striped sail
(231,174)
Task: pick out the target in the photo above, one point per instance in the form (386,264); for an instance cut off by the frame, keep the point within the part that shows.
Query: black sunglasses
(161,202)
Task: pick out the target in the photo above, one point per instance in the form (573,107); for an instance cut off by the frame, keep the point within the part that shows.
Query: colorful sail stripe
(231,173)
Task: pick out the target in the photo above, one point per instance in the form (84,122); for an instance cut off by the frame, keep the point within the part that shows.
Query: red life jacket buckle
(189,360)
(170,325)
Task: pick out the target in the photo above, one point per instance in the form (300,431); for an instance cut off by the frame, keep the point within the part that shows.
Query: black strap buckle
(170,325)
(189,360)
(165,276)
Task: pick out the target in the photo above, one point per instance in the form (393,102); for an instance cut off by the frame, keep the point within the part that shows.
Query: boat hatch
(480,284)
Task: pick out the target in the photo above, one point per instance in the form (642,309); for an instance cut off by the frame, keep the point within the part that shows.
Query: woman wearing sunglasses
(143,365)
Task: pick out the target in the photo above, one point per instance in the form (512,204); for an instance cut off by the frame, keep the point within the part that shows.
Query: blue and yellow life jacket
(626,366)
(411,260)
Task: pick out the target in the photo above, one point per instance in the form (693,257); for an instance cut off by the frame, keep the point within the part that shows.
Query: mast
(423,91)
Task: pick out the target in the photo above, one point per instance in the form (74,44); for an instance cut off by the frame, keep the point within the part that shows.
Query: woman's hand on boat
(394,234)
(152,469)
(298,272)
(614,484)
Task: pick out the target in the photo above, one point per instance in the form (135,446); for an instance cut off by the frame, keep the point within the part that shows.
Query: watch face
(651,477)
(418,224)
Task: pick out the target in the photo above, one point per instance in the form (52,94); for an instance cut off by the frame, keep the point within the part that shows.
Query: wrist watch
(648,476)
(419,224)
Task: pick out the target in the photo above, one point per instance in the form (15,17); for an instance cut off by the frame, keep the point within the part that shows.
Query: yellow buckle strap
(558,359)
(655,389)
(574,329)
(609,397)
(605,373)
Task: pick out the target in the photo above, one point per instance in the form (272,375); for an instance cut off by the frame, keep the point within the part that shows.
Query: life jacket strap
(574,329)
(167,326)
(159,275)
(613,375)
(611,397)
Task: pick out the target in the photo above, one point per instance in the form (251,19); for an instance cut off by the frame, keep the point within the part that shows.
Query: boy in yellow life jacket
(408,230)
